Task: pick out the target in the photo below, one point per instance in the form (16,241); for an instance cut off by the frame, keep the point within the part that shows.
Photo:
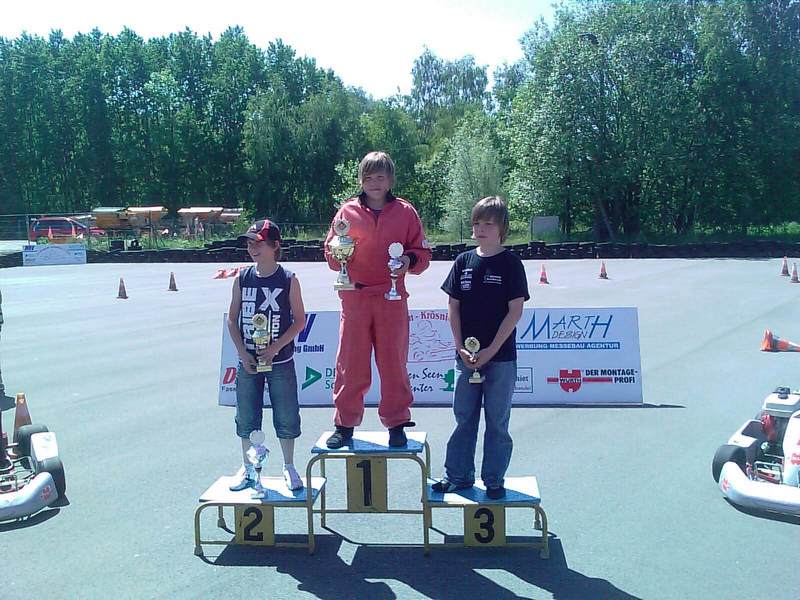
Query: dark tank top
(270,297)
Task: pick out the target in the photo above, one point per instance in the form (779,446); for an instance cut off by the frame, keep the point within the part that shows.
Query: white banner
(53,254)
(564,356)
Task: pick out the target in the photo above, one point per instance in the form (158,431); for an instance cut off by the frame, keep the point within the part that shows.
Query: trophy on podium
(341,248)
(257,455)
(395,264)
(262,336)
(473,345)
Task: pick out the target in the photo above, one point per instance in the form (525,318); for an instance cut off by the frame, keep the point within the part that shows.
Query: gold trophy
(341,248)
(395,264)
(473,345)
(262,337)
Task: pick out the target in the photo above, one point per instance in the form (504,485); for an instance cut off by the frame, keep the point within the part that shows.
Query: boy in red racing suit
(368,320)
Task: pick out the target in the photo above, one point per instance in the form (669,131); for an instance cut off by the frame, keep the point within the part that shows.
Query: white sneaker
(246,477)
(291,477)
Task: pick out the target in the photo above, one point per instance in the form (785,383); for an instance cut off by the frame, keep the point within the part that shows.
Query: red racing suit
(370,321)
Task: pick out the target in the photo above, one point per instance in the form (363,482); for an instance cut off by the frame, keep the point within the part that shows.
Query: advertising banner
(53,254)
(564,356)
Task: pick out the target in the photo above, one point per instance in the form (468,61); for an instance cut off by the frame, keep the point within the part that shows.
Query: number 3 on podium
(484,525)
(366,484)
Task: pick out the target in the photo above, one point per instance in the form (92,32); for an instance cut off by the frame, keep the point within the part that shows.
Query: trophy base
(260,494)
(343,286)
(476,378)
(263,368)
(390,296)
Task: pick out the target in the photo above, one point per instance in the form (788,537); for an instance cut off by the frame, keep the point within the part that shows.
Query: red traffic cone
(172,286)
(220,274)
(603,274)
(22,415)
(543,276)
(794,278)
(122,294)
(772,343)
(785,268)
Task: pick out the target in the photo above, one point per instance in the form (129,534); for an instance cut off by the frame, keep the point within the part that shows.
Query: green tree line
(624,118)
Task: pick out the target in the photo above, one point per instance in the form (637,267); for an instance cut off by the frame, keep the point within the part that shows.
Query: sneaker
(247,478)
(291,477)
(445,486)
(495,492)
(397,437)
(341,437)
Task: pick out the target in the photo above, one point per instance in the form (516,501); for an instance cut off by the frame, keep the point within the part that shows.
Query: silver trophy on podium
(262,337)
(395,264)
(257,455)
(342,248)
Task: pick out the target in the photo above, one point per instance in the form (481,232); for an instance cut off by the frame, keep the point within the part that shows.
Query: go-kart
(759,467)
(32,478)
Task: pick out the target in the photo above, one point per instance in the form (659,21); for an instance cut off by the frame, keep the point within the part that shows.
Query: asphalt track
(130,387)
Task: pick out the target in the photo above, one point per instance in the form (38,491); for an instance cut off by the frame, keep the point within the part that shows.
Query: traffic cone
(603,274)
(233,272)
(220,274)
(785,268)
(543,276)
(172,286)
(22,415)
(49,233)
(772,343)
(122,295)
(794,278)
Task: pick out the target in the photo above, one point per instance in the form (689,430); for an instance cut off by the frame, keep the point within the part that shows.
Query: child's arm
(298,322)
(416,247)
(454,314)
(507,325)
(247,359)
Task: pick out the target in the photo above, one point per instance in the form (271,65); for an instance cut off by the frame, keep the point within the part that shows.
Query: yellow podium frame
(521,492)
(278,496)
(374,445)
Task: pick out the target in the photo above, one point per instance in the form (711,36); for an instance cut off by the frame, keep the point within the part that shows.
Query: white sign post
(564,356)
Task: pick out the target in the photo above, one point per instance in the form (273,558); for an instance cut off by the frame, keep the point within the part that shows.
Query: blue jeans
(495,395)
(282,385)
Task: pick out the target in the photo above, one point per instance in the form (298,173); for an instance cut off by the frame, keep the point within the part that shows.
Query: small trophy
(257,455)
(473,345)
(395,264)
(341,248)
(262,336)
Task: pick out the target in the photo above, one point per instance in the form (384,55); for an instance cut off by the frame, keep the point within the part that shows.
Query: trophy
(395,264)
(257,455)
(262,336)
(473,345)
(341,248)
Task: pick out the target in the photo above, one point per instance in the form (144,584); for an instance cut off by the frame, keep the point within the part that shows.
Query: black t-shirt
(484,286)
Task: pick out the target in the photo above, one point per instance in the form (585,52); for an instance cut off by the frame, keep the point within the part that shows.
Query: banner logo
(312,377)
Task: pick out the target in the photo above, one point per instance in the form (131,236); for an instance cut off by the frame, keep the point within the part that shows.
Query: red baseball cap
(262,230)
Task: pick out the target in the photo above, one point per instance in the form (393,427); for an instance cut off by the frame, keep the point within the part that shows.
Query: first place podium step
(254,519)
(367,475)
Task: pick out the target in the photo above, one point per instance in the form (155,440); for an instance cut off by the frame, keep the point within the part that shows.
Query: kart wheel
(23,438)
(55,467)
(727,453)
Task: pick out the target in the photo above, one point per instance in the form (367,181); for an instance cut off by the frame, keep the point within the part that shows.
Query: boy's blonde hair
(494,209)
(375,162)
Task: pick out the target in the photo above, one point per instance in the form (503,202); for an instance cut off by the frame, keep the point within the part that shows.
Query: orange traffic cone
(172,286)
(603,274)
(543,276)
(785,268)
(49,233)
(122,294)
(772,343)
(22,415)
(794,278)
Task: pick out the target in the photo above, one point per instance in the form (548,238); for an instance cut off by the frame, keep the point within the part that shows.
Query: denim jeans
(494,394)
(282,385)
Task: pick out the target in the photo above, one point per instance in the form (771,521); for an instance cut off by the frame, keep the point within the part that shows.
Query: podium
(255,518)
(367,486)
(484,518)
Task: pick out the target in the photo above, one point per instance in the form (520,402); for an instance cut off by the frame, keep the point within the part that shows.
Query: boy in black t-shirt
(487,288)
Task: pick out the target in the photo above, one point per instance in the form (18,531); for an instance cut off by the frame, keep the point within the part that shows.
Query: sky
(370,45)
